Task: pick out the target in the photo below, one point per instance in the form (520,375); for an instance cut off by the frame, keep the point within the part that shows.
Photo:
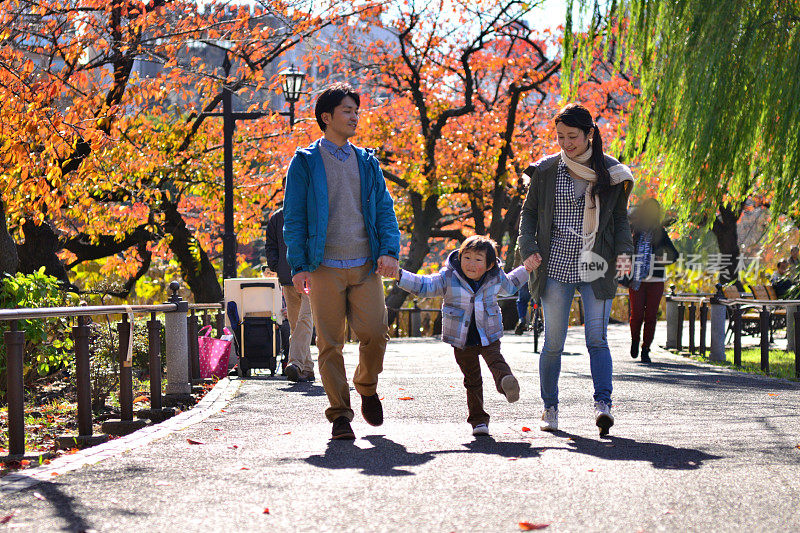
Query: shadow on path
(304,388)
(384,458)
(667,373)
(69,508)
(662,456)
(489,446)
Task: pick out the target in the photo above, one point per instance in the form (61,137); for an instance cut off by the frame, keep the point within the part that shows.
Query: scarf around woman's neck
(591,211)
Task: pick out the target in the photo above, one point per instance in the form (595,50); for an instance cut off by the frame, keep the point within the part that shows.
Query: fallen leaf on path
(38,496)
(591,470)
(7,518)
(406,398)
(140,399)
(527,526)
(287,433)
(233,447)
(798,446)
(266,510)
(513,458)
(771,394)
(400,388)
(192,441)
(381,398)
(244,468)
(46,462)
(54,474)
(217,429)
(25,462)
(73,451)
(222,411)
(668,511)
(525,429)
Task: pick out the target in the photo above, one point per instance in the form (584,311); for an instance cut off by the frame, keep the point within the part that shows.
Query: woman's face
(572,140)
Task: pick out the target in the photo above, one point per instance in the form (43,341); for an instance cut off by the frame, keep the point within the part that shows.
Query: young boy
(471,320)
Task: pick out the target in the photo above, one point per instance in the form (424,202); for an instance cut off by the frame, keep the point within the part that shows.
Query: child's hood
(454,264)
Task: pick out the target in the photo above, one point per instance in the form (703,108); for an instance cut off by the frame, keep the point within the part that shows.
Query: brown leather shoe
(372,409)
(342,429)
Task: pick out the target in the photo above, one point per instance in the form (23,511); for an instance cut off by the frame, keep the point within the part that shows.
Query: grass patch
(781,362)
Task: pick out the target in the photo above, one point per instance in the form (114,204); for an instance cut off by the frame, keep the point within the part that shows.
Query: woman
(573,227)
(653,251)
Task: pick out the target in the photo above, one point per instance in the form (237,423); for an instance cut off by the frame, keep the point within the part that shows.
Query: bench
(778,314)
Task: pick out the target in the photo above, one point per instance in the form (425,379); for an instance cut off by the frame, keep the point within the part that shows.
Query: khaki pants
(298,308)
(470,364)
(355,294)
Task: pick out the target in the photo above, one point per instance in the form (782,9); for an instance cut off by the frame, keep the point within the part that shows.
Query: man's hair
(331,98)
(479,243)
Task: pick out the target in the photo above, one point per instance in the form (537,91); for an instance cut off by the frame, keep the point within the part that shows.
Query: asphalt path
(694,448)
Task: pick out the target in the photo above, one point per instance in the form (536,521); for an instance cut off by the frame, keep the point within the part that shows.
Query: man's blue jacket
(305,209)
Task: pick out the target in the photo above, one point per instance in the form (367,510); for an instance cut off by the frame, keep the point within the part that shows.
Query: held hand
(388,266)
(532,262)
(302,282)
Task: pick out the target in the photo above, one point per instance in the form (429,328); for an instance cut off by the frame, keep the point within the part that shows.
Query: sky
(549,15)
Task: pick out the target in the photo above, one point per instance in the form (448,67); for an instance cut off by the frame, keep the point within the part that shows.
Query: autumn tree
(104,138)
(436,70)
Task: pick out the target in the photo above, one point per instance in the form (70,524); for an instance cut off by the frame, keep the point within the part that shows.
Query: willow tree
(718,110)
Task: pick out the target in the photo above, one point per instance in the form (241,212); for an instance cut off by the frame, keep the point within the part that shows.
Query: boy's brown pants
(468,361)
(357,295)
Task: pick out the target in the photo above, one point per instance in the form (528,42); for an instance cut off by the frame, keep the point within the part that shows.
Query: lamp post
(292,84)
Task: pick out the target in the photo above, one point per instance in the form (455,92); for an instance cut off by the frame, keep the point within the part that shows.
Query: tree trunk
(417,252)
(39,250)
(725,231)
(9,260)
(196,268)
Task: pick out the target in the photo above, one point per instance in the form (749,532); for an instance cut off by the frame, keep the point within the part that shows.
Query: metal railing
(720,307)
(182,356)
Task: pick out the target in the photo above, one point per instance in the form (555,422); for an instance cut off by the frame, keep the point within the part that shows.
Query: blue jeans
(523,299)
(556,303)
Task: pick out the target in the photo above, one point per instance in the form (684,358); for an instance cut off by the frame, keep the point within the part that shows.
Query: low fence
(181,324)
(725,315)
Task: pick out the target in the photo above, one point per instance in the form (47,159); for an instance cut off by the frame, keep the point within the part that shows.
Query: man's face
(344,119)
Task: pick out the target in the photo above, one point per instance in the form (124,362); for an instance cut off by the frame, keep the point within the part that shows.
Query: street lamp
(292,84)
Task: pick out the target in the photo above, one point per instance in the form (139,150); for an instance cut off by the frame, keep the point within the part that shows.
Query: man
(298,307)
(341,236)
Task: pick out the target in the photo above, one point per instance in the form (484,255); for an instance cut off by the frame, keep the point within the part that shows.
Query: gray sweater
(347,235)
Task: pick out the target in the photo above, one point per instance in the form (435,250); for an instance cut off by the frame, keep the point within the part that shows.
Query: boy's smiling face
(473,263)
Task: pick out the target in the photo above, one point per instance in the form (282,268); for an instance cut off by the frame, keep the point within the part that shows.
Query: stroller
(253,316)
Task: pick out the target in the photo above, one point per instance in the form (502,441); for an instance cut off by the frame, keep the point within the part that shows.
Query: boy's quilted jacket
(460,299)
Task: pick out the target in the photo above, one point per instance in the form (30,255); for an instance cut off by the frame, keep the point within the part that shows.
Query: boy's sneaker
(549,419)
(481,430)
(646,355)
(635,350)
(372,410)
(520,328)
(510,387)
(342,429)
(603,417)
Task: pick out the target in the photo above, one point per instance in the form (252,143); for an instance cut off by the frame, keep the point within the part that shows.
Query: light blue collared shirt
(342,153)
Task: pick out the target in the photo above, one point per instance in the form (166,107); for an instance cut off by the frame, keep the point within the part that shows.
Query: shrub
(48,344)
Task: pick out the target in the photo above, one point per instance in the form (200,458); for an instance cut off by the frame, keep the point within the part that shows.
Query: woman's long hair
(577,116)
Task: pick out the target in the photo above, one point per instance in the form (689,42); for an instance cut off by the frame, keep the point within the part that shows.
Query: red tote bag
(214,354)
